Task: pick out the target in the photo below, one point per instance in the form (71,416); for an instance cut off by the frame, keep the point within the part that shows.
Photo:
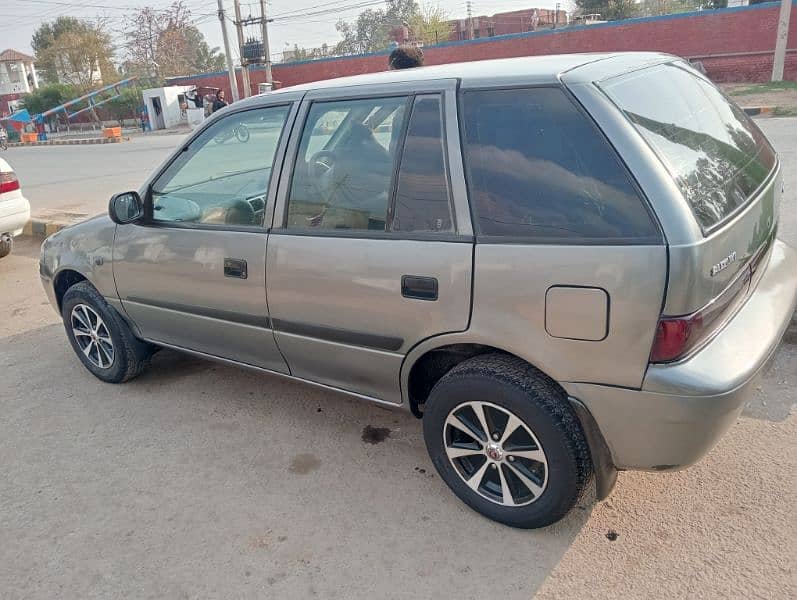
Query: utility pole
(239,28)
(556,16)
(266,50)
(780,41)
(230,65)
(470,19)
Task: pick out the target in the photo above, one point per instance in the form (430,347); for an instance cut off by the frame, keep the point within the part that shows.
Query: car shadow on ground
(242,478)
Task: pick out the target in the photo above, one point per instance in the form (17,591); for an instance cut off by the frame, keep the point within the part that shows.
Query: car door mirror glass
(126,207)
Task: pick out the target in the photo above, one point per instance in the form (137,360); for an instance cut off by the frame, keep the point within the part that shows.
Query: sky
(294,22)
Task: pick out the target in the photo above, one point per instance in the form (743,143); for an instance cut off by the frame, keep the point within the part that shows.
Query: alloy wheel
(92,336)
(495,453)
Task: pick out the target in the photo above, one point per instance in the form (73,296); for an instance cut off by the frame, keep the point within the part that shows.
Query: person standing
(219,102)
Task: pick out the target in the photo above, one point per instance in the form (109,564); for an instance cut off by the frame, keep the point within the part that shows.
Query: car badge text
(723,264)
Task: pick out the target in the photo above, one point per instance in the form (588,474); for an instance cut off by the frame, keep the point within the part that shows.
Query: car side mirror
(126,207)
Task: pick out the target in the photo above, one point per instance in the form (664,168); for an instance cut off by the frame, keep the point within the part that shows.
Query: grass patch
(785,111)
(760,88)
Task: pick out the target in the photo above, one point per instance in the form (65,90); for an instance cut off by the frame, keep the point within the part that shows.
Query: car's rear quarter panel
(509,295)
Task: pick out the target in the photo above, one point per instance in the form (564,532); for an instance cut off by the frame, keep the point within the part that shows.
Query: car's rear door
(193,274)
(371,247)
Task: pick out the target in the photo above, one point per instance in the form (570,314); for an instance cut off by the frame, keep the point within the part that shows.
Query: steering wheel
(320,170)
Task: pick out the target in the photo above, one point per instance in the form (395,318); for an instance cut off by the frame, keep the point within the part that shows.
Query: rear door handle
(235,267)
(419,287)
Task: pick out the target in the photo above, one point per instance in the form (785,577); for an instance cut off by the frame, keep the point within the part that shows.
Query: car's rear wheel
(100,337)
(504,438)
(6,245)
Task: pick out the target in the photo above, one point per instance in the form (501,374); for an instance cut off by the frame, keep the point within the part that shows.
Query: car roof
(525,69)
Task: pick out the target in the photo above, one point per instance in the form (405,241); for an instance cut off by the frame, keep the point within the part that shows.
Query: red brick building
(516,21)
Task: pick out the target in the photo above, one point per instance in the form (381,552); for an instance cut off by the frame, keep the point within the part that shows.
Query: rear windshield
(715,153)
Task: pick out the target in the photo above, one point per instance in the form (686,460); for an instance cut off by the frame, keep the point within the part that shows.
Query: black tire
(512,384)
(242,133)
(6,247)
(130,355)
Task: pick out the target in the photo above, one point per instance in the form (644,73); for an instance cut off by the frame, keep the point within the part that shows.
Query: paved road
(203,481)
(83,178)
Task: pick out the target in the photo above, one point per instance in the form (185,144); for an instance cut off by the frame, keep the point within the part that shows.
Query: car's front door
(193,274)
(369,253)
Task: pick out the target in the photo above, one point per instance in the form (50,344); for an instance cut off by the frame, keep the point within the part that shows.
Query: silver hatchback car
(565,265)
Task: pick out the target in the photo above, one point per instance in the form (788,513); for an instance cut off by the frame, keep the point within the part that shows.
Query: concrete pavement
(204,481)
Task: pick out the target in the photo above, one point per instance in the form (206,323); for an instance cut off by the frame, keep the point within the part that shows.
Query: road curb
(78,142)
(47,223)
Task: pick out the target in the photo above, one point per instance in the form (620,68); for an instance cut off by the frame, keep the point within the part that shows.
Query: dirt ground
(751,95)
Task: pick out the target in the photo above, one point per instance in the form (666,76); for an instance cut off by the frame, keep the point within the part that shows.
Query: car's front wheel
(505,440)
(100,337)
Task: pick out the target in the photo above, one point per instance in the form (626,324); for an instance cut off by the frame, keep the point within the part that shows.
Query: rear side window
(422,198)
(540,170)
(715,153)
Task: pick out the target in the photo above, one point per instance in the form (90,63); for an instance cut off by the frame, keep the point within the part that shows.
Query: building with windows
(516,21)
(17,77)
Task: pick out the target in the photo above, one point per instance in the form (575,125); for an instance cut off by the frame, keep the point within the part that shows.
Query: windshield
(715,153)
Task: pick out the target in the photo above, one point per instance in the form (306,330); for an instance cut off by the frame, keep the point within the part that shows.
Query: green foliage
(370,31)
(126,105)
(165,43)
(48,96)
(430,24)
(73,51)
(609,10)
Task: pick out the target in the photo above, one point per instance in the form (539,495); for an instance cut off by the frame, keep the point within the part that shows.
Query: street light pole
(779,59)
(230,65)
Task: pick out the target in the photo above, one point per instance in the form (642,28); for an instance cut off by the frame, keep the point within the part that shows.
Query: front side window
(714,152)
(222,178)
(344,168)
(539,170)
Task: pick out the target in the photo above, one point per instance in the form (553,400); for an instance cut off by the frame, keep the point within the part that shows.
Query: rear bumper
(14,214)
(683,409)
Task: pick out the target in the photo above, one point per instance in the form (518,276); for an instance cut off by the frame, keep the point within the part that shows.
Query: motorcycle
(241,133)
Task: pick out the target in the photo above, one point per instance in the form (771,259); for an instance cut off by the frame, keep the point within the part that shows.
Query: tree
(370,31)
(430,24)
(165,43)
(610,10)
(204,59)
(48,96)
(74,51)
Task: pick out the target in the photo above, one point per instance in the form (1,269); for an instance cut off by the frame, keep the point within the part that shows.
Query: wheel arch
(430,360)
(63,280)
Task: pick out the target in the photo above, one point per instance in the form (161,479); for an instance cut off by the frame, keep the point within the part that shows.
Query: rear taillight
(677,336)
(8,181)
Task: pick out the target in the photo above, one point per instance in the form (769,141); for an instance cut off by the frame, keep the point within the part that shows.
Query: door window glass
(540,170)
(344,168)
(222,177)
(422,197)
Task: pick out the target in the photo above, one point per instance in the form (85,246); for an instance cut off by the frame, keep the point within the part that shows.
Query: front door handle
(419,287)
(235,267)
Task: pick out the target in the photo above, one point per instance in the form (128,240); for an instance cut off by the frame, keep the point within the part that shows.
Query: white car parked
(14,208)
